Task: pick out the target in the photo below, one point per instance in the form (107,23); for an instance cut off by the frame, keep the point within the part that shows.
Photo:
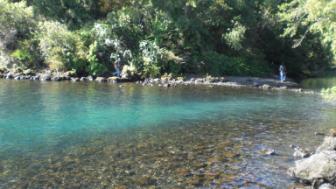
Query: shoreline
(228,81)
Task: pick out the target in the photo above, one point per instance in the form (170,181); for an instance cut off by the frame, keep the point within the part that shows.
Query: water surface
(90,135)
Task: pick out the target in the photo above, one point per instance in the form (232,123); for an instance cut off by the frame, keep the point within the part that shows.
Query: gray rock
(17,78)
(35,78)
(56,78)
(29,72)
(113,79)
(74,79)
(101,79)
(329,143)
(90,78)
(318,166)
(45,77)
(10,75)
(199,81)
(83,79)
(266,87)
(300,153)
(327,186)
(167,85)
(157,80)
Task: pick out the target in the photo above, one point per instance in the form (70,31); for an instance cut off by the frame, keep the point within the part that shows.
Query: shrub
(219,64)
(61,48)
(329,94)
(16,22)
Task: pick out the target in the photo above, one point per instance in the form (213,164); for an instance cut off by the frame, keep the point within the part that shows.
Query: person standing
(117,65)
(282,70)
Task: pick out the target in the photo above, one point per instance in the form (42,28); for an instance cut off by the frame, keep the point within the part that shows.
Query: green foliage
(61,48)
(235,36)
(220,64)
(329,94)
(303,17)
(95,68)
(16,22)
(155,37)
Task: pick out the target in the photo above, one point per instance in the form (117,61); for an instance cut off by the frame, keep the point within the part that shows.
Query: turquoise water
(92,135)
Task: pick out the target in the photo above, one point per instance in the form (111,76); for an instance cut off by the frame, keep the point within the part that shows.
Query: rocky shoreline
(317,170)
(230,81)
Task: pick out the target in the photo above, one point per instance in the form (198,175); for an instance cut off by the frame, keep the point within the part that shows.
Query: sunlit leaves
(235,36)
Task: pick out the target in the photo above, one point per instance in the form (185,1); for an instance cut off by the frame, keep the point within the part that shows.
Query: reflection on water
(319,83)
(67,135)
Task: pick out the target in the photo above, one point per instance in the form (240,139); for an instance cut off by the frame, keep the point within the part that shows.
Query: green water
(90,135)
(319,83)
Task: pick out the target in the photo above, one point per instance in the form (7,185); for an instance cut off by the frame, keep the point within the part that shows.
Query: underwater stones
(182,171)
(145,181)
(267,151)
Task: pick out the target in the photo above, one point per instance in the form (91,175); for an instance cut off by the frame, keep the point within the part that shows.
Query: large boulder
(329,143)
(320,166)
(327,186)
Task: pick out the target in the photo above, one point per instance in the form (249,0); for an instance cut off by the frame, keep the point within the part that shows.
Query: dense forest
(177,37)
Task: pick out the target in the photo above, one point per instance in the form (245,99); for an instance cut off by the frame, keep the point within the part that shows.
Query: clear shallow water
(77,135)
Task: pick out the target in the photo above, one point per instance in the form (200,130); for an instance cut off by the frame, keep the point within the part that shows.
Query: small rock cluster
(318,170)
(233,82)
(48,75)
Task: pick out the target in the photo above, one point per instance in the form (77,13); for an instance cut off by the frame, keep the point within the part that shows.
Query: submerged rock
(267,152)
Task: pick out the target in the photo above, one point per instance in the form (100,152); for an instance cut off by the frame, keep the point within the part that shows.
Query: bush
(329,94)
(61,48)
(16,22)
(219,64)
